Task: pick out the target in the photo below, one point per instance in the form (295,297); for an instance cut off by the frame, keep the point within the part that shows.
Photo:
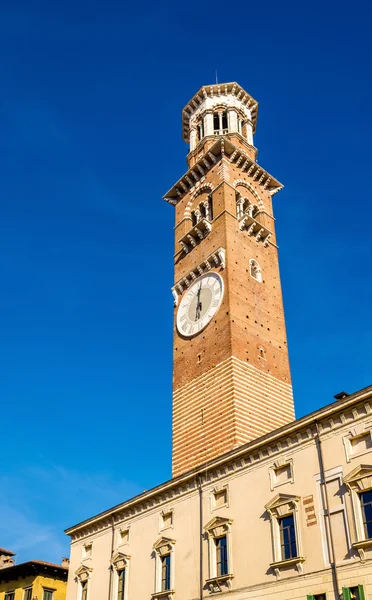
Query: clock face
(199,304)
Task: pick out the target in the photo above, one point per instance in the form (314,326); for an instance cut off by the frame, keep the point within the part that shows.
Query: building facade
(259,504)
(33,580)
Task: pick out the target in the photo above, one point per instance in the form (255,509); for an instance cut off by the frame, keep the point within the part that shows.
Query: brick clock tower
(231,376)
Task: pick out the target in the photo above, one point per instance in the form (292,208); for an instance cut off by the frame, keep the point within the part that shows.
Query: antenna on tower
(216,77)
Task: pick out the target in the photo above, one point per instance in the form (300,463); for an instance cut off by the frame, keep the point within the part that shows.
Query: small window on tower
(224,122)
(216,123)
(255,270)
(201,130)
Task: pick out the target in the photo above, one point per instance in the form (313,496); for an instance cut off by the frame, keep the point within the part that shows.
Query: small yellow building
(33,580)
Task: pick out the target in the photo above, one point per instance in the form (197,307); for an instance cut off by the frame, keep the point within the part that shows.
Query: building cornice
(222,148)
(329,418)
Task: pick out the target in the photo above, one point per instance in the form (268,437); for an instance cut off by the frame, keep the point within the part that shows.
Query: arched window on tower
(220,126)
(206,209)
(201,130)
(245,207)
(255,270)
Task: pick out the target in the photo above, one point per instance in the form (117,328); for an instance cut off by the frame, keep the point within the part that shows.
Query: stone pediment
(83,572)
(360,477)
(120,560)
(282,504)
(218,526)
(164,545)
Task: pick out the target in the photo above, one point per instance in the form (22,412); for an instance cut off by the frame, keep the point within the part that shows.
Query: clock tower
(231,376)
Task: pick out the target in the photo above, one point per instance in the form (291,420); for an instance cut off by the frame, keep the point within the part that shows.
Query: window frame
(222,558)
(164,547)
(165,582)
(10,595)
(47,590)
(289,530)
(216,529)
(27,593)
(284,505)
(346,592)
(119,563)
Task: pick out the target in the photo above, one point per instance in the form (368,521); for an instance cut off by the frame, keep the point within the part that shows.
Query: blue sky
(90,125)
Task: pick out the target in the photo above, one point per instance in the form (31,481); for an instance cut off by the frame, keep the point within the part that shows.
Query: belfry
(231,377)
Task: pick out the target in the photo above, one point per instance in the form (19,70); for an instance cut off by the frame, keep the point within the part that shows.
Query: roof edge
(233,454)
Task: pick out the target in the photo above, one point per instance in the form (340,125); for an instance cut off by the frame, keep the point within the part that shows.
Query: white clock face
(199,304)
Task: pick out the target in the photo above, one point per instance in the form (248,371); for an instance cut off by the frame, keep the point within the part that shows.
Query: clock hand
(198,306)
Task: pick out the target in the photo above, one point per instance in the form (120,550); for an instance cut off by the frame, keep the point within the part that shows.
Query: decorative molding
(216,259)
(291,436)
(196,233)
(219,583)
(223,147)
(120,561)
(253,191)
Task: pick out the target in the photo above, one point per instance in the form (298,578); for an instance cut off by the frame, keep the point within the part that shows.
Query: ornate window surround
(83,575)
(359,480)
(120,562)
(162,547)
(216,528)
(357,432)
(218,489)
(281,506)
(278,464)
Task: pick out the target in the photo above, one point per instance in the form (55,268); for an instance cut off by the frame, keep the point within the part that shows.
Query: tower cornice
(216,90)
(223,147)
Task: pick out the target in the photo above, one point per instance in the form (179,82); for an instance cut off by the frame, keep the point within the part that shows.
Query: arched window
(245,207)
(255,270)
(220,123)
(206,209)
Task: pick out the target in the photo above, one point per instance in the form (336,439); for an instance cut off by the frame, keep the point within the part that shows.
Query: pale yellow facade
(286,463)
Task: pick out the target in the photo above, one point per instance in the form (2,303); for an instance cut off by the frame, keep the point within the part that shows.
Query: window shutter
(346,593)
(361,592)
(310,597)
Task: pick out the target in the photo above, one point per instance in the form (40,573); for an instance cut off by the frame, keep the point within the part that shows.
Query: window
(87,551)
(121,584)
(9,595)
(120,564)
(221,556)
(165,572)
(48,594)
(124,536)
(164,566)
(281,472)
(84,590)
(219,498)
(27,594)
(166,519)
(366,503)
(201,130)
(220,123)
(283,511)
(353,593)
(287,537)
(316,597)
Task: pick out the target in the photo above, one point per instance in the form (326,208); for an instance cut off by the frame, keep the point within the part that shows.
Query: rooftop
(33,567)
